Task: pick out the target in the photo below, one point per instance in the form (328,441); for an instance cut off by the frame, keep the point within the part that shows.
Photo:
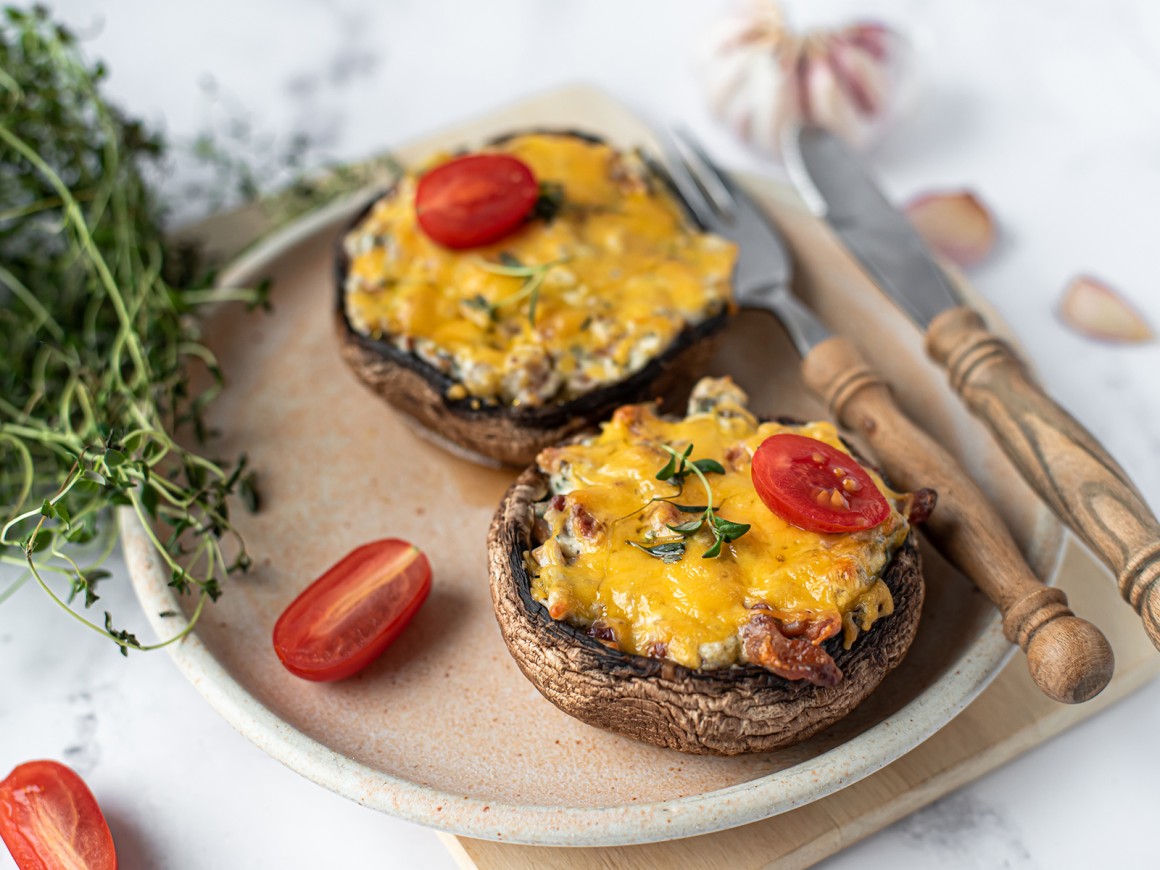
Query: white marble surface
(1047,107)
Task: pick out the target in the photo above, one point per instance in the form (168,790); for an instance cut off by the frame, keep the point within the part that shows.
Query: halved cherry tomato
(815,487)
(474,200)
(50,820)
(346,618)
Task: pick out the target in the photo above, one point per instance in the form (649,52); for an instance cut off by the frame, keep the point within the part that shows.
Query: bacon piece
(814,630)
(662,515)
(583,524)
(603,632)
(793,658)
(633,417)
(737,457)
(552,459)
(658,649)
(918,505)
(561,603)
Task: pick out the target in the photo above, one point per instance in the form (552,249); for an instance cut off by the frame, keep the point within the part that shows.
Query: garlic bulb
(760,74)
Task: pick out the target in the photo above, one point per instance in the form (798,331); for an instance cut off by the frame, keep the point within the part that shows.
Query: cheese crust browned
(771,597)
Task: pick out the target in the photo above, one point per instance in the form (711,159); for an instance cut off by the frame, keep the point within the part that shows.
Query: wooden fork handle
(1061,460)
(1069,658)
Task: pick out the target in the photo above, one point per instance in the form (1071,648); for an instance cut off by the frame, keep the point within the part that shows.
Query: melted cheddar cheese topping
(694,610)
(623,275)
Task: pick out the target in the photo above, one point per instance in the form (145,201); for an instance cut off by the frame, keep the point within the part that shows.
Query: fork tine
(659,170)
(680,174)
(710,176)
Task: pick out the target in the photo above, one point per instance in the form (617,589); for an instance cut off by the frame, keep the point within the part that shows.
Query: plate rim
(536,824)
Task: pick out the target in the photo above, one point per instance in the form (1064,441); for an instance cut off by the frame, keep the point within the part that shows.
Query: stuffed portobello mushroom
(511,296)
(716,584)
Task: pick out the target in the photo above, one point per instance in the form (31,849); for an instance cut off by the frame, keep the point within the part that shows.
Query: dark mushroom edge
(496,431)
(729,711)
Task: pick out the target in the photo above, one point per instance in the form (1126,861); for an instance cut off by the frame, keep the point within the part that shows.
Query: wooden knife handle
(1061,460)
(1069,658)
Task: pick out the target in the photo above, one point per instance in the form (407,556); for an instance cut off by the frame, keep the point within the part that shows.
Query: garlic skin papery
(1092,308)
(760,75)
(956,224)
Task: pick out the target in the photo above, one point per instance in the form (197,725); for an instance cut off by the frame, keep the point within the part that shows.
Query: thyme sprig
(512,267)
(97,343)
(676,470)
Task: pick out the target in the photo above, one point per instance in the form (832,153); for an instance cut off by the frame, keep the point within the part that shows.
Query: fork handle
(1061,460)
(1068,657)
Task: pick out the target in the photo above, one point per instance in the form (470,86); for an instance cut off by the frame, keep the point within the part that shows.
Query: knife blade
(835,188)
(1059,458)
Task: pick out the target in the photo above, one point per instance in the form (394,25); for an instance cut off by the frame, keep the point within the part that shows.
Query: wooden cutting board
(1010,717)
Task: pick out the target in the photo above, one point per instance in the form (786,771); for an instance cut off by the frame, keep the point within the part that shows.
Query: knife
(1058,457)
(1069,658)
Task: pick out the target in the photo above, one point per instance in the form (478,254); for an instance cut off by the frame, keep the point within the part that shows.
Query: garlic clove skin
(957,225)
(760,75)
(748,63)
(1092,308)
(832,94)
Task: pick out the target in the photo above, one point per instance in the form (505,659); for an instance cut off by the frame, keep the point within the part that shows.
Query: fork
(1068,657)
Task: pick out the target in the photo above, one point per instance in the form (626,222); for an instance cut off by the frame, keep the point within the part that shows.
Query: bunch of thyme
(97,337)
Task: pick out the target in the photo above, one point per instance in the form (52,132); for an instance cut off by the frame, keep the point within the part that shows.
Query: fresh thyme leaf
(675,468)
(690,508)
(728,530)
(510,260)
(34,544)
(710,466)
(670,468)
(714,551)
(86,582)
(480,303)
(124,638)
(669,552)
(549,202)
(689,527)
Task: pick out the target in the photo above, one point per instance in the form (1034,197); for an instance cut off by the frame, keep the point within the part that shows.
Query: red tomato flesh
(50,820)
(815,487)
(475,200)
(346,618)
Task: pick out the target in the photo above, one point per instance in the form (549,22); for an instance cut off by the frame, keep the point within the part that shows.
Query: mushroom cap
(728,711)
(498,432)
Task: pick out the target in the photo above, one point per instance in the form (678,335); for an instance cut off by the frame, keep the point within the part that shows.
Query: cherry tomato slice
(815,487)
(50,820)
(346,618)
(474,200)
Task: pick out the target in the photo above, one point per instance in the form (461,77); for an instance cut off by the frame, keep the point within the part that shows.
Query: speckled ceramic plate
(444,730)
